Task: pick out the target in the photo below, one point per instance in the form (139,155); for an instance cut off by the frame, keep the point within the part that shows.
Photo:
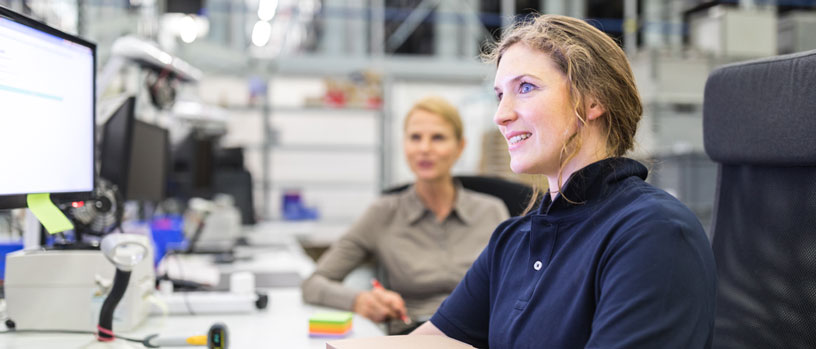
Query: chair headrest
(762,112)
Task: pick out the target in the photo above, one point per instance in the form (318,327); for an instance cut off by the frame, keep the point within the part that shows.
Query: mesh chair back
(759,123)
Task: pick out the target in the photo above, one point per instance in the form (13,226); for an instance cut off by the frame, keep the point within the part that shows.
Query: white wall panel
(244,129)
(309,167)
(224,90)
(326,128)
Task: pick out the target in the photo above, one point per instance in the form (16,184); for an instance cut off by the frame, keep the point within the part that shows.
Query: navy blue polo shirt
(625,265)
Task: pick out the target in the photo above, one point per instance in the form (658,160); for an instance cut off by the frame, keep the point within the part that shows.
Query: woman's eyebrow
(517,78)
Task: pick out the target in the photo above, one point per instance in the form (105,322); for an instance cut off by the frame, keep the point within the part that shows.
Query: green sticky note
(331,317)
(49,215)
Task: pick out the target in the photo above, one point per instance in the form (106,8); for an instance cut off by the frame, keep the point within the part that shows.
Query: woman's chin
(519,167)
(429,176)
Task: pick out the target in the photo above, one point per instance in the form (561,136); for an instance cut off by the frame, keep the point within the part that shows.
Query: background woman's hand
(379,305)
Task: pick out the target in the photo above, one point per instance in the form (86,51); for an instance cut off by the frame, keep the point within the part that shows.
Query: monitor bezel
(20,200)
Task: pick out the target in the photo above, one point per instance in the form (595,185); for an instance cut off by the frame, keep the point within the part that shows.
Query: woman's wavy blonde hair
(595,67)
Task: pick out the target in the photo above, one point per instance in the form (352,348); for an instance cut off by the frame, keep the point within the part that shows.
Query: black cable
(119,197)
(174,254)
(120,283)
(197,233)
(186,294)
(73,332)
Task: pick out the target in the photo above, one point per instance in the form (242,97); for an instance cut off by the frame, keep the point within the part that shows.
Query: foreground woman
(606,260)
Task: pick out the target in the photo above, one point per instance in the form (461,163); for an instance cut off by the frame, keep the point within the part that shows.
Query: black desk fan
(98,216)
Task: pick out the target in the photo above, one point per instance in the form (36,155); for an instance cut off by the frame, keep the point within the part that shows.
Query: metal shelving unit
(335,168)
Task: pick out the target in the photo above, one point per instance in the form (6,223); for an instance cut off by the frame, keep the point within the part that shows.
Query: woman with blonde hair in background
(425,238)
(606,260)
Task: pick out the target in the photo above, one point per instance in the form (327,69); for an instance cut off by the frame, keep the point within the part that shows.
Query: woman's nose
(425,144)
(505,112)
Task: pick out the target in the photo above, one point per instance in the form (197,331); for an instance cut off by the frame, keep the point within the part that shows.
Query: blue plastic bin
(6,248)
(168,235)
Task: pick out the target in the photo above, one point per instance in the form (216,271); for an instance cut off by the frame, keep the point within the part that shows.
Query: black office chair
(759,123)
(515,195)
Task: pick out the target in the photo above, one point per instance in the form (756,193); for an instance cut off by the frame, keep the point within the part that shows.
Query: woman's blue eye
(526,87)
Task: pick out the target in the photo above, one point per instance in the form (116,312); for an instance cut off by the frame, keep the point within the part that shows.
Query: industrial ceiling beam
(410,24)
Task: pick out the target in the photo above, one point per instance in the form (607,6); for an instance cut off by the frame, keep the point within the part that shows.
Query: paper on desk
(190,268)
(49,215)
(398,342)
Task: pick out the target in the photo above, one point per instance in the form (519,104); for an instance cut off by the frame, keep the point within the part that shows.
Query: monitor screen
(47,94)
(194,166)
(135,155)
(185,6)
(117,137)
(149,163)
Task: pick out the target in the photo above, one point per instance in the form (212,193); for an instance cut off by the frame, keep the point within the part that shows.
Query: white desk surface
(307,233)
(284,324)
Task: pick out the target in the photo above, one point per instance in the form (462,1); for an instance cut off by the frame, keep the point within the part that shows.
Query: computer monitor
(135,155)
(117,137)
(194,166)
(47,111)
(149,163)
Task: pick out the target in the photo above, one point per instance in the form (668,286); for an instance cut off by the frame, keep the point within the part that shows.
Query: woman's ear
(594,109)
(462,144)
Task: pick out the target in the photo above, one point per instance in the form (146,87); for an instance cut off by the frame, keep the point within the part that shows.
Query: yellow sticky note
(49,215)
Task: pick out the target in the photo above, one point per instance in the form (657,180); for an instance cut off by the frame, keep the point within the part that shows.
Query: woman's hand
(379,305)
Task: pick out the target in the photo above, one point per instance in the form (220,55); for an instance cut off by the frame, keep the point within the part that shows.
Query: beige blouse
(423,259)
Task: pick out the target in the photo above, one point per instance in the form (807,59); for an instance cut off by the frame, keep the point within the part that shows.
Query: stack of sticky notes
(333,324)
